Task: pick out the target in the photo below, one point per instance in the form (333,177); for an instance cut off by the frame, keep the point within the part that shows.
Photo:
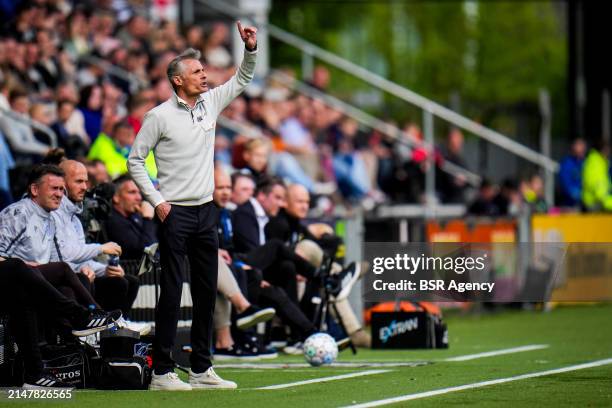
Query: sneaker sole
(345,292)
(343,344)
(254,319)
(269,356)
(93,330)
(213,386)
(243,358)
(145,331)
(165,388)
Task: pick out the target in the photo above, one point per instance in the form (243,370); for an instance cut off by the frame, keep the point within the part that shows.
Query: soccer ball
(320,349)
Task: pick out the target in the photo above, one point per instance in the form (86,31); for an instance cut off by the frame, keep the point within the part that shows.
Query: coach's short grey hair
(175,67)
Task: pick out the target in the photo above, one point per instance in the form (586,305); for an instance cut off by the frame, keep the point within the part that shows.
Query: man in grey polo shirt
(181,133)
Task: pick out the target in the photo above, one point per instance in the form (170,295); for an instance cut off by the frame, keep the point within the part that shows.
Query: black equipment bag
(8,350)
(69,363)
(408,330)
(118,343)
(125,374)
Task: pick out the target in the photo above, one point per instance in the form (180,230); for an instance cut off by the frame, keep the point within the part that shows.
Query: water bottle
(113,260)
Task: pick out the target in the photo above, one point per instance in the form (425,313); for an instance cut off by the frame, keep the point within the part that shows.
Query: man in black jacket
(251,217)
(130,223)
(288,227)
(278,262)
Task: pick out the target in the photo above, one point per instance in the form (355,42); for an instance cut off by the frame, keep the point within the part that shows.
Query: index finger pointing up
(240,29)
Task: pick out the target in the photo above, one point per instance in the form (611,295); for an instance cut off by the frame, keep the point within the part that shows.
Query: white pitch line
(433,393)
(498,352)
(323,379)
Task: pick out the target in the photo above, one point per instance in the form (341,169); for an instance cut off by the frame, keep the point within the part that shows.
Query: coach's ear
(177,80)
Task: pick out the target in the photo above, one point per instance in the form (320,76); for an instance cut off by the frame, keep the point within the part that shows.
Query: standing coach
(181,133)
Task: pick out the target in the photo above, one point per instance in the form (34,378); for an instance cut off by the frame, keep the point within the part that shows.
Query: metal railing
(33,124)
(368,120)
(136,83)
(429,107)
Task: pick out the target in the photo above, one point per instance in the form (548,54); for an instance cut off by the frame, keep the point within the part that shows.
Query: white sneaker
(210,379)
(142,328)
(168,382)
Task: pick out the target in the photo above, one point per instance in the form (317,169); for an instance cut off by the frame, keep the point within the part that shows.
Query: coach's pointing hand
(248,35)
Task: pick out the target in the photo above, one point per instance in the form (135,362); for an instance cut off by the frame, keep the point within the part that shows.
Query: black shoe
(44,381)
(254,315)
(343,343)
(294,349)
(97,321)
(345,281)
(235,352)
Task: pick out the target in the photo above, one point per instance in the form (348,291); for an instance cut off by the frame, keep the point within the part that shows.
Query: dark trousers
(280,265)
(71,285)
(287,309)
(23,292)
(187,232)
(115,292)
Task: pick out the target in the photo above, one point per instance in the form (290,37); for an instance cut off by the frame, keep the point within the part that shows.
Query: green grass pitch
(574,335)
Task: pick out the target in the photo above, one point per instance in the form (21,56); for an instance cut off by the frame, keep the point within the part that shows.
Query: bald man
(112,288)
(287,225)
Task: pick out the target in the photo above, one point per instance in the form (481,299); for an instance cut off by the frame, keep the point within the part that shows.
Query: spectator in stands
(320,78)
(349,167)
(243,188)
(91,99)
(97,173)
(72,143)
(484,204)
(138,106)
(508,200)
(451,186)
(533,194)
(298,140)
(596,184)
(6,164)
(112,287)
(76,43)
(19,134)
(255,154)
(113,152)
(130,223)
(48,65)
(75,122)
(41,113)
(570,174)
(194,36)
(216,52)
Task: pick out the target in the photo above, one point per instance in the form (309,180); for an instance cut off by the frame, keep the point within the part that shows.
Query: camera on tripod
(97,207)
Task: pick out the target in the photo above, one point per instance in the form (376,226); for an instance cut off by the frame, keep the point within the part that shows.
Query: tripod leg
(352,346)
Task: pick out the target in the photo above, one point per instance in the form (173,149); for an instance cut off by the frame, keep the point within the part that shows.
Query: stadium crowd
(54,69)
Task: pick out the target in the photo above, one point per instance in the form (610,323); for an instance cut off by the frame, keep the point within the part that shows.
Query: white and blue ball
(320,349)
